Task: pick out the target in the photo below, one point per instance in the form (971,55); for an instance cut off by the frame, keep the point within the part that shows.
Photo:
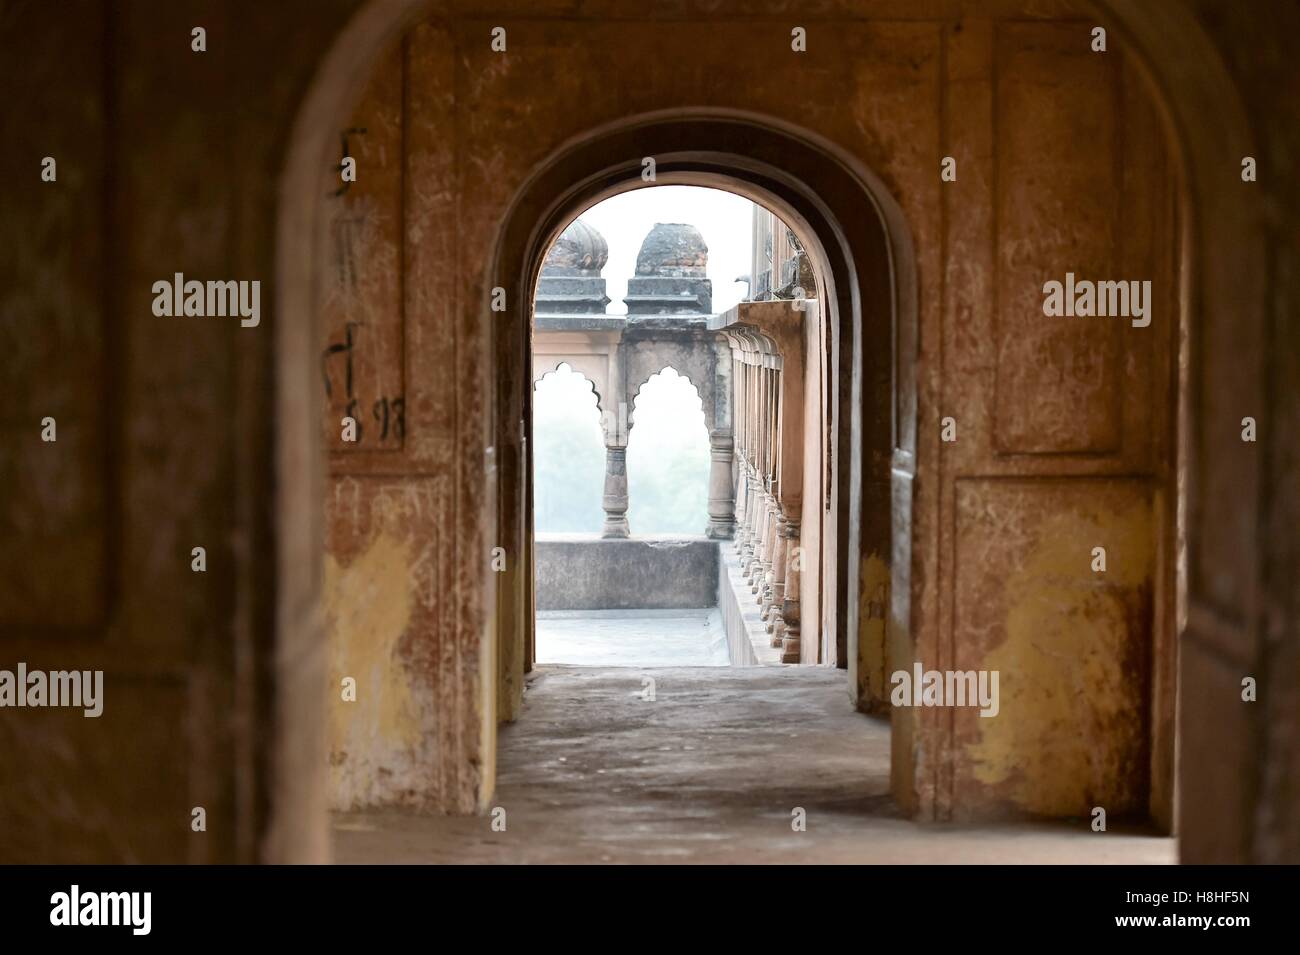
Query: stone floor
(632,638)
(709,772)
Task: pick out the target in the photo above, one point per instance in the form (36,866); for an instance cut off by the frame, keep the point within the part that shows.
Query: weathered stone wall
(581,572)
(167,161)
(1062,435)
(1249,553)
(748,642)
(396,561)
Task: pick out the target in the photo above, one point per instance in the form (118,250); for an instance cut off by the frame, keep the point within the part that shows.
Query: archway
(715,450)
(535,218)
(863,255)
(651,425)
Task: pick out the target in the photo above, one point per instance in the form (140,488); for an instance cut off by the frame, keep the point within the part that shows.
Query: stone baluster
(790,609)
(769,549)
(742,492)
(747,515)
(751,515)
(751,518)
(775,623)
(753,569)
(754,550)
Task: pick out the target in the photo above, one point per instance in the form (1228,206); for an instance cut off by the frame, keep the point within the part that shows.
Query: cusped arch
(552,365)
(699,361)
(634,392)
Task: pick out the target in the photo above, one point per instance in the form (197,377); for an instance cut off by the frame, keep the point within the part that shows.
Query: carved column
(790,648)
(722,499)
(614,500)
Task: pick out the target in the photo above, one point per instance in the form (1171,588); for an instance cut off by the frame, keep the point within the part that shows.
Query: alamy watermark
(1086,298)
(208,299)
(946,688)
(75,907)
(81,688)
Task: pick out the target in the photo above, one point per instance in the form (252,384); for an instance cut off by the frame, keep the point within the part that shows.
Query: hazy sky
(725,220)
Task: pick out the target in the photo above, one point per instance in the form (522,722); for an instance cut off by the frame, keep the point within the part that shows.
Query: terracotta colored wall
(1061,167)
(395,564)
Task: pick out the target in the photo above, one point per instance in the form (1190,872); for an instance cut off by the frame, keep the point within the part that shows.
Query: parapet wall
(586,572)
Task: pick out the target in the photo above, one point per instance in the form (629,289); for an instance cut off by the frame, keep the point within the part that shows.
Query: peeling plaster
(368,610)
(1074,668)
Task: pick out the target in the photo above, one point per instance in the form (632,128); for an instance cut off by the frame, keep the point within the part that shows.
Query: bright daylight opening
(641,336)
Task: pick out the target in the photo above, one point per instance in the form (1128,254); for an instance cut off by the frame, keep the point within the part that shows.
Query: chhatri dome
(673,249)
(671,273)
(580,248)
(570,284)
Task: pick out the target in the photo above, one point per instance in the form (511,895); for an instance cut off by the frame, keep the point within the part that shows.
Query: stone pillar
(790,649)
(722,493)
(614,500)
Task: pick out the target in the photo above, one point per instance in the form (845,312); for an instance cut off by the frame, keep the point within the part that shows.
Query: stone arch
(574,408)
(641,458)
(693,378)
(552,366)
(1225,306)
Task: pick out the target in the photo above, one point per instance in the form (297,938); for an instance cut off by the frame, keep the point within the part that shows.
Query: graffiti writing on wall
(380,420)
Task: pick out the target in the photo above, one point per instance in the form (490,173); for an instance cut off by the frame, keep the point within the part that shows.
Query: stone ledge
(747,640)
(587,572)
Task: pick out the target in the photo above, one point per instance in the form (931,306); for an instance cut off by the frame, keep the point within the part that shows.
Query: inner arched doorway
(863,256)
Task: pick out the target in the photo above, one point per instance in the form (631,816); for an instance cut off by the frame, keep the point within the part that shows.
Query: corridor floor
(709,772)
